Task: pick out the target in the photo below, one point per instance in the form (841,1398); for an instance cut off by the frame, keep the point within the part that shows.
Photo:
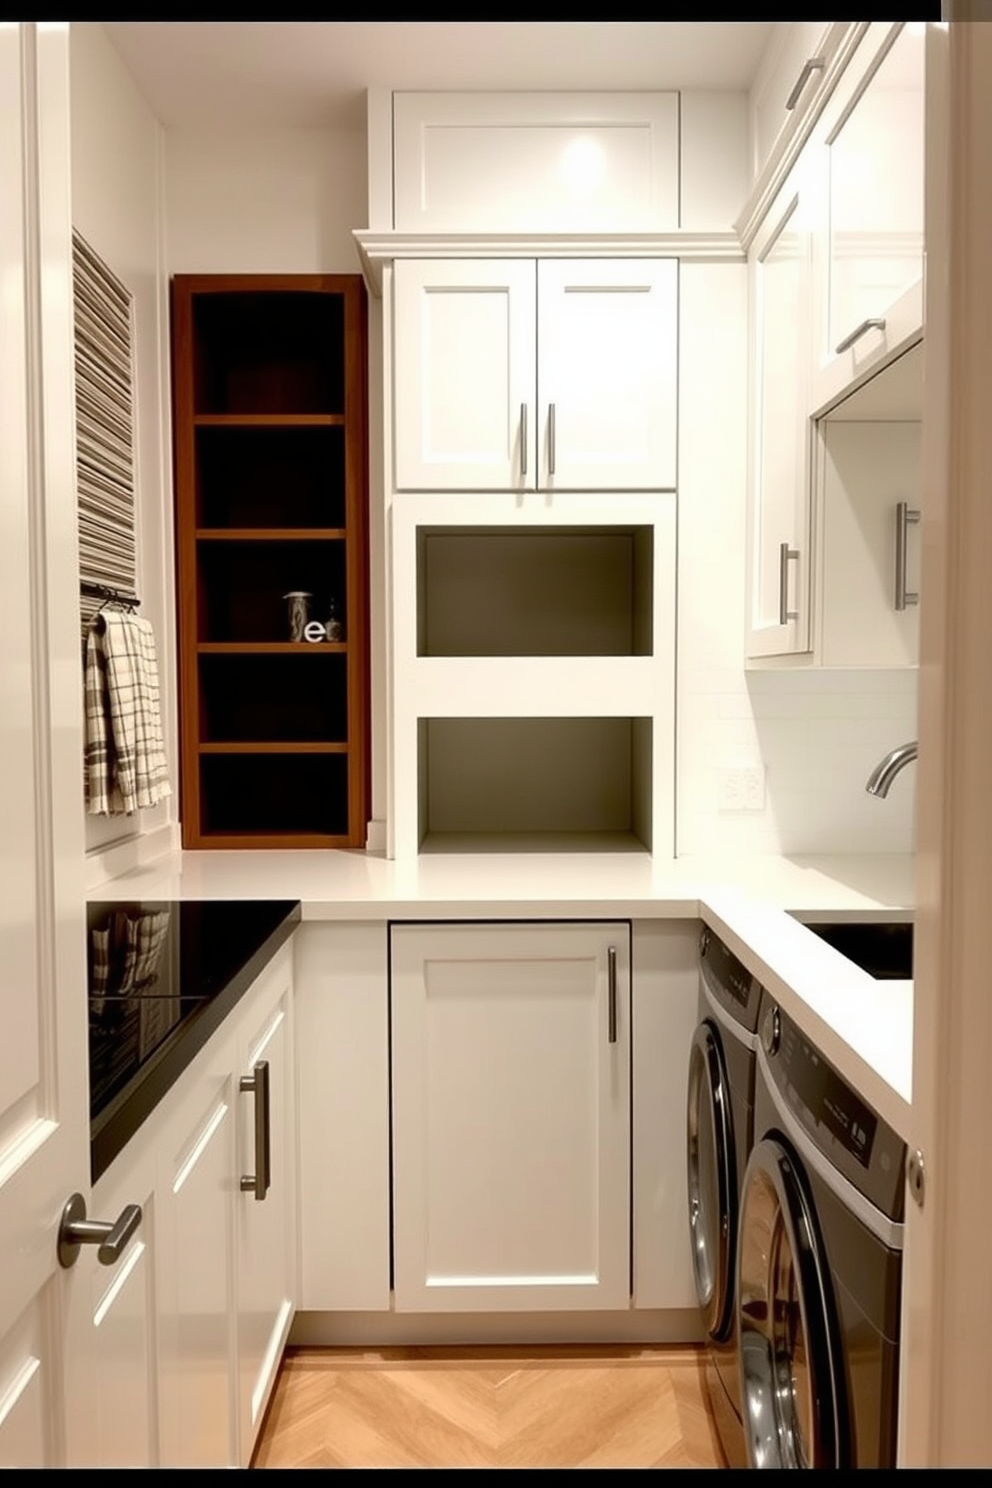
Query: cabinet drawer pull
(551,439)
(905,514)
(814,64)
(257,1084)
(523,439)
(785,556)
(611,966)
(873,323)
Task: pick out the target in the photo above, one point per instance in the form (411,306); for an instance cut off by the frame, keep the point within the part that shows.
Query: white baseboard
(134,852)
(375,836)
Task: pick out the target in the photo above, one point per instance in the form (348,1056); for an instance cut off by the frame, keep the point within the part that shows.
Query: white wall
(274,203)
(117,206)
(815,734)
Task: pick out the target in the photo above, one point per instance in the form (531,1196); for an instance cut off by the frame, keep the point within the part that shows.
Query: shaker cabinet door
(511,1117)
(464,375)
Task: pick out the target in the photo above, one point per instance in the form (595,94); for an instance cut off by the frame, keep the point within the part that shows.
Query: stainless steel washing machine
(719,1129)
(819,1278)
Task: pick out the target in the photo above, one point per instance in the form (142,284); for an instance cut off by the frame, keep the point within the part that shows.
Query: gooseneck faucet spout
(887,769)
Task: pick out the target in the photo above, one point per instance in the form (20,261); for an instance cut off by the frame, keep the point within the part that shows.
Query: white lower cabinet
(174,1349)
(511,1050)
(266,1197)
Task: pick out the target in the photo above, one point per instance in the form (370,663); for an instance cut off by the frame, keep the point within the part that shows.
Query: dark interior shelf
(256,794)
(242,585)
(270,434)
(270,477)
(268,352)
(282,698)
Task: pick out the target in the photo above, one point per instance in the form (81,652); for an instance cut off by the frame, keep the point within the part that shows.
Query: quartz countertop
(861,1024)
(163,976)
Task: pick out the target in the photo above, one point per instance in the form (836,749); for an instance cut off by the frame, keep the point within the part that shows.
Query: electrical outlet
(742,788)
(753,788)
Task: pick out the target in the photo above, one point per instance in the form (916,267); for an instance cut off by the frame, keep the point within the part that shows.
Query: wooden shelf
(270,748)
(271,648)
(268,420)
(271,534)
(269,385)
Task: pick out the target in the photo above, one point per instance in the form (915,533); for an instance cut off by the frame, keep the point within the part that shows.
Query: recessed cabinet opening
(255,795)
(261,477)
(268,352)
(534,592)
(535,784)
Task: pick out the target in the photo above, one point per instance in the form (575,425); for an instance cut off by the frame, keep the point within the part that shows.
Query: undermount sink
(884,949)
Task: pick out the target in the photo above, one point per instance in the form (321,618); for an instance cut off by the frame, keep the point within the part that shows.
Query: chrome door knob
(76,1230)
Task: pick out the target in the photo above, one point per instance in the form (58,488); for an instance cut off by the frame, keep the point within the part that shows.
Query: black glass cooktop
(163,975)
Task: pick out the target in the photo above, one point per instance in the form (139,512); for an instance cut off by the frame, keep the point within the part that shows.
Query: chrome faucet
(887,769)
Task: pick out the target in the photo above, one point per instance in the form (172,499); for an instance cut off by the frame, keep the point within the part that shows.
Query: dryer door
(790,1370)
(711,1181)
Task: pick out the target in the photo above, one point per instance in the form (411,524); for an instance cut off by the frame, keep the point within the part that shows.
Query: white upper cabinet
(789,80)
(518,375)
(869,242)
(778,558)
(530,162)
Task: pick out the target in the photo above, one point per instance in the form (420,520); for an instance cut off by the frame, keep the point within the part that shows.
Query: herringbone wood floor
(489,1407)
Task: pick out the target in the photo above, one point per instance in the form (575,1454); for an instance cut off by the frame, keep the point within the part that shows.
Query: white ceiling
(313,74)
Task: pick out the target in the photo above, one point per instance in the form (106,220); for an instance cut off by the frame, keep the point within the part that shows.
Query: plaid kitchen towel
(124,755)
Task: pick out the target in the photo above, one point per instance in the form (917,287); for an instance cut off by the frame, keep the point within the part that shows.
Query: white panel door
(44,1125)
(464,374)
(511,1117)
(607,374)
(778,558)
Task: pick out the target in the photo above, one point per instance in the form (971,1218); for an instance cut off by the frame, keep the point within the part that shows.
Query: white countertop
(863,1026)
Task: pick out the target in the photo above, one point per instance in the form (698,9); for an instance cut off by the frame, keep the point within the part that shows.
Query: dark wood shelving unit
(271,473)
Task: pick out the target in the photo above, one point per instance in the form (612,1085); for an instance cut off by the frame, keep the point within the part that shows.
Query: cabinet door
(464,375)
(111,1362)
(511,1117)
(778,560)
(196,1317)
(266,1212)
(607,374)
(870,488)
(871,239)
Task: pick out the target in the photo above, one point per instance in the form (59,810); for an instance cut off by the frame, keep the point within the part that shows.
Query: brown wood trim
(189,535)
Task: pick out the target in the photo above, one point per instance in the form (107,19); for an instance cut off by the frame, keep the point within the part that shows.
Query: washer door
(711,1181)
(791,1385)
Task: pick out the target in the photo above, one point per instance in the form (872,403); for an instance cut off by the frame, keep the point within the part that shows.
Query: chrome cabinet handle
(523,439)
(873,323)
(551,439)
(785,556)
(76,1230)
(905,514)
(814,64)
(611,969)
(257,1084)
